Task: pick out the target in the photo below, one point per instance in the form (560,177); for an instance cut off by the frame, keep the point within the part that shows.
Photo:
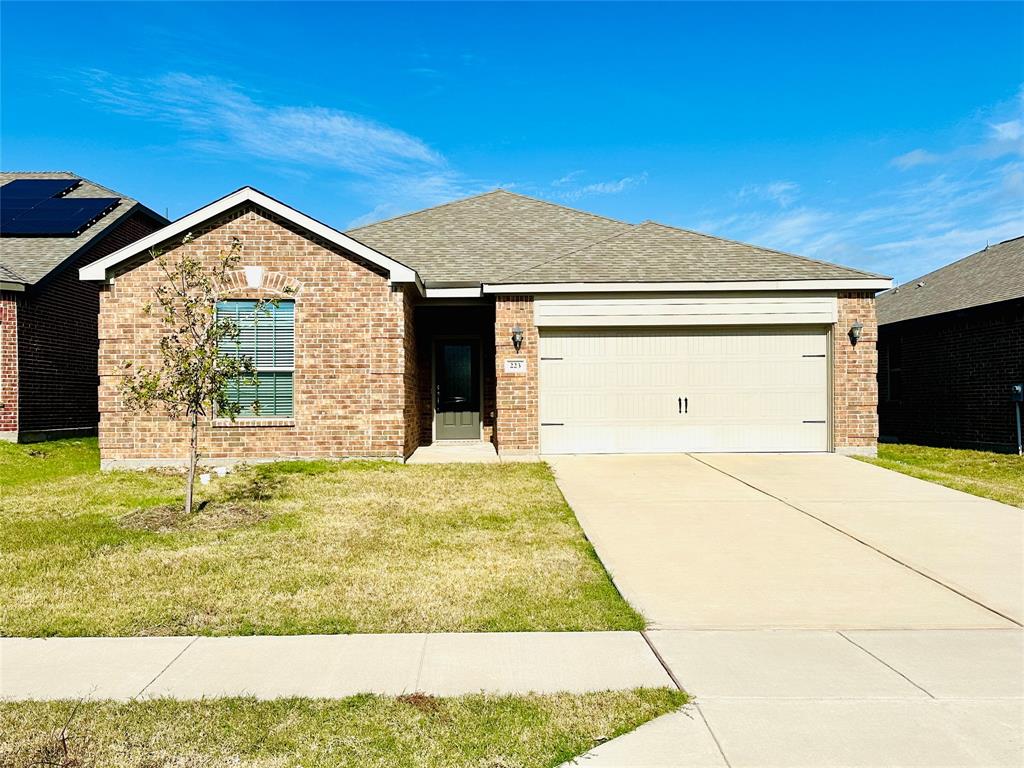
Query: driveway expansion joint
(885,663)
(714,736)
(661,660)
(859,540)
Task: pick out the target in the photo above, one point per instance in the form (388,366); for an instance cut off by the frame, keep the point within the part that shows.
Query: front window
(266,335)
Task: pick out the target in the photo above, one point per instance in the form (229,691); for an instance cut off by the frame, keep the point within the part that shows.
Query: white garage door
(647,390)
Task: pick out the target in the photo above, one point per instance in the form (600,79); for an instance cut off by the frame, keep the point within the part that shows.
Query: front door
(457,390)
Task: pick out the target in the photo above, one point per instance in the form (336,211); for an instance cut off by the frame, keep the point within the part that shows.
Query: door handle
(680,405)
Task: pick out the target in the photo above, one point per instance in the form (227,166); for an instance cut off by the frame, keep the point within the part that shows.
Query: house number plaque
(515,366)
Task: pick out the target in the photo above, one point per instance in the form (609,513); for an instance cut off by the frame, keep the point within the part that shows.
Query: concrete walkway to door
(823,611)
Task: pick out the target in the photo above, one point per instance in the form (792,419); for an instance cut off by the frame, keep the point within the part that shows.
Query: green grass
(996,476)
(363,731)
(292,548)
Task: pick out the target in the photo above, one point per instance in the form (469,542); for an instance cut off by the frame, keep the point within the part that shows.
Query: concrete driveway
(817,541)
(823,611)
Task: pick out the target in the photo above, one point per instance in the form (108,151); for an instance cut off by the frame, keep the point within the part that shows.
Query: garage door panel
(619,390)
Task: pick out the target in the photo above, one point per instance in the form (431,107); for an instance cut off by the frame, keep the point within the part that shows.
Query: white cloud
(569,178)
(428,72)
(394,170)
(1011,130)
(782,192)
(613,187)
(929,207)
(218,116)
(914,158)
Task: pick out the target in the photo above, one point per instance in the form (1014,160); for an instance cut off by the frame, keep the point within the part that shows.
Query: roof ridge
(423,210)
(496,191)
(629,228)
(563,207)
(769,250)
(979,252)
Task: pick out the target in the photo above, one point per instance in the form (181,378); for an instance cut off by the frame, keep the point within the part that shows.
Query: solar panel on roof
(21,195)
(64,216)
(35,190)
(9,210)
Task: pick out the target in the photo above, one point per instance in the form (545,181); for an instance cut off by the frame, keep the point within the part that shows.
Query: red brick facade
(363,381)
(8,365)
(352,371)
(945,379)
(854,376)
(411,378)
(55,364)
(517,394)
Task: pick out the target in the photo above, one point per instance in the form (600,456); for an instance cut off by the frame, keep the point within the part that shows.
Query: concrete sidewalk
(825,698)
(330,666)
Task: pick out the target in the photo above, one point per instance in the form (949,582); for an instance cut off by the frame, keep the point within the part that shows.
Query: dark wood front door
(457,389)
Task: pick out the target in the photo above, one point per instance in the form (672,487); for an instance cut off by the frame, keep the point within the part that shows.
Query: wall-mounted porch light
(517,337)
(855,331)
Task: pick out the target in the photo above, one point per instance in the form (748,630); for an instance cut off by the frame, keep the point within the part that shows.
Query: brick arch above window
(238,284)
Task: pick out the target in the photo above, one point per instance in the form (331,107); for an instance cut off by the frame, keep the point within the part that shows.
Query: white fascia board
(5,286)
(398,273)
(865,284)
(454,293)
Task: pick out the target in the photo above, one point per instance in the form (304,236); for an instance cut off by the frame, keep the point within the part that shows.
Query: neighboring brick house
(951,345)
(53,224)
(501,318)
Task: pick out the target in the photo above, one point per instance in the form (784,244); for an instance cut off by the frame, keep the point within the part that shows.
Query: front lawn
(996,476)
(292,548)
(363,731)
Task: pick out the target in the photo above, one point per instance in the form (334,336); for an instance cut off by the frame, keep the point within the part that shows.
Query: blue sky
(884,136)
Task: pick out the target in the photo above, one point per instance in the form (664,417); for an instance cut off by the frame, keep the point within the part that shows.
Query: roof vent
(920,284)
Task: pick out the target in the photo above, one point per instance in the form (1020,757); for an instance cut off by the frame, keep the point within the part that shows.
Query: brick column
(855,377)
(516,427)
(8,366)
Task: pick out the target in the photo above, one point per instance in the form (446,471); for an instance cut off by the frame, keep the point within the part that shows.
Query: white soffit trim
(453,293)
(865,284)
(5,286)
(399,273)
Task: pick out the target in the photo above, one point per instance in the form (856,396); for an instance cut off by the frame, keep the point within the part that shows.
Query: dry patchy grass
(364,731)
(996,476)
(292,548)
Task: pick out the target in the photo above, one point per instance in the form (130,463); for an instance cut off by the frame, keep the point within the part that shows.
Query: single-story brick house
(51,224)
(507,319)
(951,347)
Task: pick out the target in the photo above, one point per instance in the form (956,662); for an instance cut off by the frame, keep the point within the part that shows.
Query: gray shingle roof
(658,253)
(502,237)
(10,276)
(33,258)
(986,277)
(480,239)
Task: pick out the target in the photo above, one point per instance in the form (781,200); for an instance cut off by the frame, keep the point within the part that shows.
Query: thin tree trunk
(193,456)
